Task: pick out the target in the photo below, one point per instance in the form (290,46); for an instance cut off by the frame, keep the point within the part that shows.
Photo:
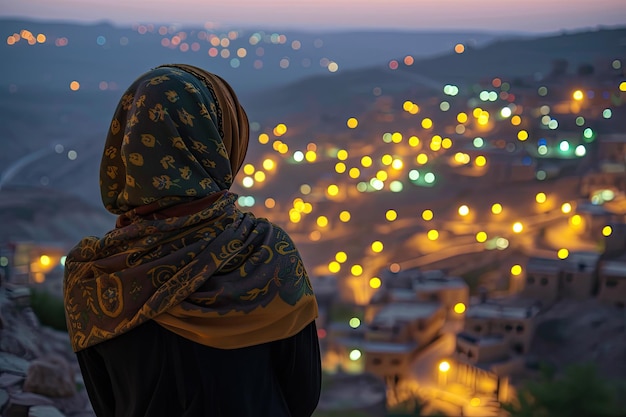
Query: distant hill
(506,58)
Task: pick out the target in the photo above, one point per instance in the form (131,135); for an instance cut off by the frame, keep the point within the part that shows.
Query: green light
(396,186)
(616,64)
(564,146)
(553,124)
(361,187)
(607,113)
(444,106)
(355,322)
(542,150)
(478,142)
(414,175)
(588,134)
(484,95)
(387,137)
(429,178)
(541,175)
(542,91)
(580,121)
(580,150)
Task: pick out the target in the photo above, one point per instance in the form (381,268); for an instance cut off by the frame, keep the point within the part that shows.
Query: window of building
(470,354)
(508,327)
(376,361)
(478,328)
(519,328)
(518,348)
(611,283)
(396,361)
(530,280)
(544,281)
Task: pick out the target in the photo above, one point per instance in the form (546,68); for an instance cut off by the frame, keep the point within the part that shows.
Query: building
(612,281)
(543,276)
(579,275)
(511,320)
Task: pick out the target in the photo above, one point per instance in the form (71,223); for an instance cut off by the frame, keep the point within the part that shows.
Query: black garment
(152,372)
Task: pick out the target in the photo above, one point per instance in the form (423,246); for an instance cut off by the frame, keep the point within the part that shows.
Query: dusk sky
(489,15)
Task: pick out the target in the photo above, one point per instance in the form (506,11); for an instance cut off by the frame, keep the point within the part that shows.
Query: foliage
(580,392)
(48,308)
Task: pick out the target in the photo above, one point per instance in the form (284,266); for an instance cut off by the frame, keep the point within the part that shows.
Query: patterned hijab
(182,254)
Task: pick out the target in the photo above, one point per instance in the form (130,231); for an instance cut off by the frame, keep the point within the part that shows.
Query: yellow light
(332,190)
(566,208)
(562,253)
(427,123)
(444,366)
(461,117)
(354,322)
(352,122)
(354,173)
(414,109)
(377,246)
(340,167)
(481,237)
(283,148)
(44,260)
(259,176)
(391,215)
(516,270)
(422,159)
(355,355)
(496,208)
(396,137)
(356,270)
(280,129)
(407,106)
(269,164)
(366,161)
(518,227)
(334,267)
(463,210)
(74,85)
(397,164)
(382,175)
(375,282)
(516,120)
(298,203)
(576,220)
(477,112)
(541,198)
(322,221)
(342,155)
(341,257)
(344,216)
(307,208)
(427,215)
(607,231)
(522,135)
(459,308)
(622,86)
(310,156)
(414,141)
(248,169)
(446,143)
(386,159)
(475,402)
(41,38)
(432,234)
(264,138)
(270,203)
(578,95)
(294,216)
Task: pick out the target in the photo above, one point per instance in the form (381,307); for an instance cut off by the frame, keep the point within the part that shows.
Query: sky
(315,15)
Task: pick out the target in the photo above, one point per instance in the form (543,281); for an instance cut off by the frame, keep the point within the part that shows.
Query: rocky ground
(39,374)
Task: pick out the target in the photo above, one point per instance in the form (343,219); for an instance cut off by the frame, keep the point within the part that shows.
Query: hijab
(182,254)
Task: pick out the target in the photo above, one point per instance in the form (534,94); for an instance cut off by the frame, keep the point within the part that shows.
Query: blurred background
(452,172)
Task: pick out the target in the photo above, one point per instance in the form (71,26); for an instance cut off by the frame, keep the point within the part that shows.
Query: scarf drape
(182,254)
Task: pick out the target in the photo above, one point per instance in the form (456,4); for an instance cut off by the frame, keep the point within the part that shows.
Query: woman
(188,307)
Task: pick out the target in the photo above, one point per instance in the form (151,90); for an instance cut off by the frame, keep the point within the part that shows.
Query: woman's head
(178,133)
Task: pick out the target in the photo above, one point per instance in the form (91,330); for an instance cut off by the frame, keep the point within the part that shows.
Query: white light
(247,182)
(580,150)
(355,355)
(505,112)
(298,156)
(72,155)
